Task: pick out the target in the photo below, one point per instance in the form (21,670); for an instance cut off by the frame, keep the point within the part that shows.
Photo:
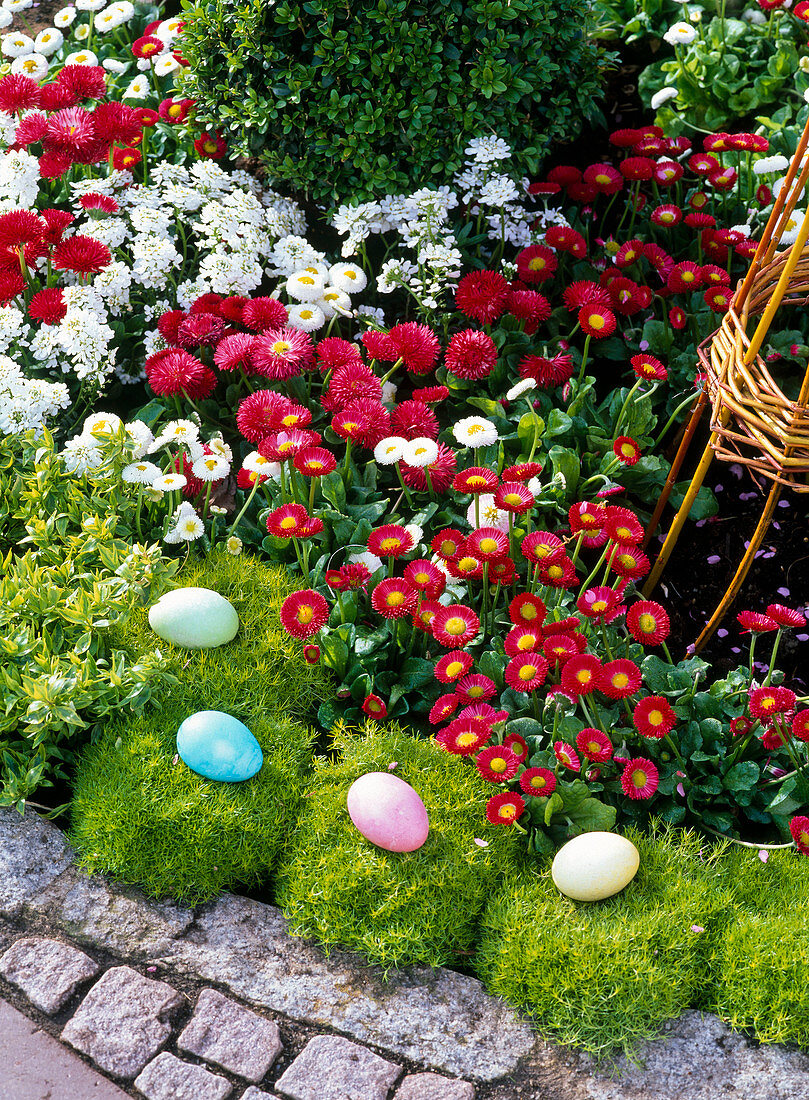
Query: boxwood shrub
(140,814)
(394,907)
(356,100)
(601,975)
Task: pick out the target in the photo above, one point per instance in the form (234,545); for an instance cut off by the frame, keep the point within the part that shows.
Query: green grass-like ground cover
(394,907)
(147,819)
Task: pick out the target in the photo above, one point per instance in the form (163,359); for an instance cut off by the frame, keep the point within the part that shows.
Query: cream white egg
(594,866)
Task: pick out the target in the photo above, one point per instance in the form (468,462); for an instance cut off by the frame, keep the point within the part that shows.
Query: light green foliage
(760,961)
(352,101)
(60,673)
(142,816)
(396,908)
(606,974)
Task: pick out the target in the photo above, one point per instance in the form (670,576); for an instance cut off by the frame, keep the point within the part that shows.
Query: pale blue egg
(219,746)
(195,618)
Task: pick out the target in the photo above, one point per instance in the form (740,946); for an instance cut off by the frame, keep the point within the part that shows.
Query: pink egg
(388,812)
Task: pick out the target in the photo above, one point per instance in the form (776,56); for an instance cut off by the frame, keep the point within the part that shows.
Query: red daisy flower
(648,622)
(800,725)
(416,345)
(504,809)
(475,688)
(31,129)
(542,548)
(497,764)
(559,648)
(518,745)
(390,541)
(448,543)
(646,366)
(666,215)
(599,603)
(628,561)
(452,666)
(523,471)
(678,318)
(581,674)
(765,702)
(536,263)
(539,782)
(282,353)
(740,726)
(471,355)
(464,736)
(233,352)
(47,306)
(626,450)
(175,111)
(683,277)
(466,566)
(565,239)
(514,496)
(441,472)
(414,420)
(304,613)
(333,352)
(288,521)
(147,46)
(754,622)
(173,372)
(211,146)
(260,413)
(606,179)
(374,706)
(84,255)
(200,330)
(597,321)
(715,276)
(431,395)
(379,346)
(482,295)
(394,598)
(527,672)
(718,298)
(619,679)
(425,577)
(18,93)
(523,639)
(117,124)
(124,160)
(567,756)
(488,543)
(639,779)
(799,829)
(653,717)
(786,617)
(594,745)
(547,373)
(637,168)
(264,314)
(527,610)
(477,479)
(19,228)
(283,446)
(455,625)
(623,525)
(584,292)
(625,139)
(443,708)
(528,305)
(314,462)
(311,654)
(12,285)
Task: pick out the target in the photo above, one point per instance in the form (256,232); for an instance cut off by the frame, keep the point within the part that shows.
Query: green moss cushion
(760,962)
(396,908)
(140,814)
(604,974)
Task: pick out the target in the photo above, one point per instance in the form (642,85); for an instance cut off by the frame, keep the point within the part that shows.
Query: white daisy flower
(6,19)
(475,431)
(81,57)
(190,528)
(81,455)
(680,34)
(33,65)
(420,452)
(490,514)
(217,444)
(765,165)
(210,468)
(101,423)
(308,317)
(90,5)
(390,450)
(165,64)
(49,41)
(389,391)
(177,431)
(17,5)
(140,473)
(521,387)
(255,463)
(137,88)
(140,436)
(304,286)
(234,545)
(167,483)
(17,45)
(334,302)
(348,277)
(113,66)
(81,32)
(663,96)
(65,17)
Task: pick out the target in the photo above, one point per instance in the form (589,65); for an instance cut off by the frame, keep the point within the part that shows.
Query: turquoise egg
(218,746)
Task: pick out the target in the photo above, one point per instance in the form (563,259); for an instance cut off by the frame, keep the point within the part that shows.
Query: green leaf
(741,776)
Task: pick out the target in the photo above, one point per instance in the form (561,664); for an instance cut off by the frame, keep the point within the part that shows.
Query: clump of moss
(140,814)
(396,908)
(606,974)
(760,961)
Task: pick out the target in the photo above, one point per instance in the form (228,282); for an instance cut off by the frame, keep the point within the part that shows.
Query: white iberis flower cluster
(25,403)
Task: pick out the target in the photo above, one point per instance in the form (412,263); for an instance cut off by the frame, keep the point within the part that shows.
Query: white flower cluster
(26,403)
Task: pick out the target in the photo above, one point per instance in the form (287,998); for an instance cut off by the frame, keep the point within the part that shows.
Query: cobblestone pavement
(105,994)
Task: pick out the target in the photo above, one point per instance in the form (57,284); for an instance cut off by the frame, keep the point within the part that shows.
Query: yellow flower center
(512,498)
(488,546)
(307,280)
(647,623)
(464,739)
(526,673)
(539,782)
(498,765)
(474,429)
(655,717)
(422,578)
(454,668)
(639,778)
(620,680)
(388,545)
(476,482)
(288,524)
(507,812)
(525,643)
(455,626)
(627,450)
(599,606)
(395,599)
(536,263)
(596,321)
(305,614)
(281,347)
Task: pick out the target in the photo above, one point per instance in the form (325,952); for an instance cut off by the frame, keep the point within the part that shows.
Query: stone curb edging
(437,1021)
